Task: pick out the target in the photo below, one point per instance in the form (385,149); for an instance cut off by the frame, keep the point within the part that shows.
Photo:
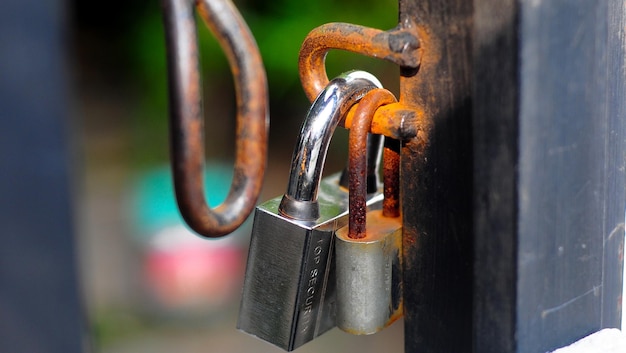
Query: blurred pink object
(186,273)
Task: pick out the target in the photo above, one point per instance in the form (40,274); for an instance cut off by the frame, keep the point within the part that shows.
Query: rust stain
(416,92)
(391,178)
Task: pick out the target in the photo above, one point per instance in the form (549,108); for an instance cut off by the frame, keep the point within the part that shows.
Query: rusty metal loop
(397,46)
(186,113)
(357,159)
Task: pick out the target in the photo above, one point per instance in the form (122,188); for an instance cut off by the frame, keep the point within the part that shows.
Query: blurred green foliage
(279,27)
(114,325)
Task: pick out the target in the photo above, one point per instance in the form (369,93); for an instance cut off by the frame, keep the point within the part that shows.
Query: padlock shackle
(300,200)
(186,113)
(358,164)
(374,156)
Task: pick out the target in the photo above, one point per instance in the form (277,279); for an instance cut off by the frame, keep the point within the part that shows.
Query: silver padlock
(289,289)
(369,249)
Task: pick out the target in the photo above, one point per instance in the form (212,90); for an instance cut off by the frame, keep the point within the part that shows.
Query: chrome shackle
(300,200)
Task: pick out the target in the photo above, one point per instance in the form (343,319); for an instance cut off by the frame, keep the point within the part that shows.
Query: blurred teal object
(153,202)
(185,276)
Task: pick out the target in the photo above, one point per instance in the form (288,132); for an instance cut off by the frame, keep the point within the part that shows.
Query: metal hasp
(513,207)
(186,113)
(400,46)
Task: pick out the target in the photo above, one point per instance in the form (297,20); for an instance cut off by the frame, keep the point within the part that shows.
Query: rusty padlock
(368,251)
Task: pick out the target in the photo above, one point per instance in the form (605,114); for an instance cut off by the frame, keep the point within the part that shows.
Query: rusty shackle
(357,161)
(186,113)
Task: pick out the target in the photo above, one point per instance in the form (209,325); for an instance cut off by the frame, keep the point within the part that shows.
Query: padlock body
(285,281)
(289,296)
(369,276)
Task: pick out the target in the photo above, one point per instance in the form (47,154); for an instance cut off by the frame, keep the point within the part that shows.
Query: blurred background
(149,284)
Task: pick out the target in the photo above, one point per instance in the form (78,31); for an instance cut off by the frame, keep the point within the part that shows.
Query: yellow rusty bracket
(393,120)
(400,46)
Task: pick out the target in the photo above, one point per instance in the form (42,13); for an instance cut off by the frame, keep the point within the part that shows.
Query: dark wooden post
(437,181)
(514,208)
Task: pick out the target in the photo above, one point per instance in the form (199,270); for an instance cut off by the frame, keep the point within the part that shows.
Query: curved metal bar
(300,200)
(374,156)
(186,113)
(357,158)
(397,46)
